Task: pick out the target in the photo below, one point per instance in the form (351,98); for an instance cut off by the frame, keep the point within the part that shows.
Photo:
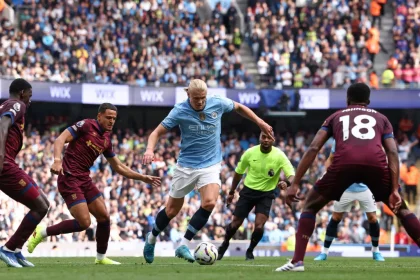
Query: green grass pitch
(228,268)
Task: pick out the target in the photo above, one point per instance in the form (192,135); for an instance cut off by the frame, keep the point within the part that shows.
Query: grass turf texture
(228,268)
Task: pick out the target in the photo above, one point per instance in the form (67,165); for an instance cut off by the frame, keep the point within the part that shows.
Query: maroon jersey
(89,142)
(16,110)
(359,132)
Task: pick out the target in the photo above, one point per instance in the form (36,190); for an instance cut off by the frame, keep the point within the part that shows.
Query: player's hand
(148,157)
(57,167)
(292,195)
(229,199)
(282,185)
(267,129)
(152,180)
(395,201)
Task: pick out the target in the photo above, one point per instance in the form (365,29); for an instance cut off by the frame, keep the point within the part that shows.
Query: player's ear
(368,102)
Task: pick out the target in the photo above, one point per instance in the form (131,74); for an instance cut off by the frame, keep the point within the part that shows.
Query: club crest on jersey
(202,116)
(271,172)
(80,124)
(16,106)
(22,183)
(74,196)
(214,115)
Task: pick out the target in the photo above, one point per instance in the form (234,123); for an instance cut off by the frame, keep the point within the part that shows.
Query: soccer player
(356,192)
(264,164)
(14,181)
(87,140)
(359,133)
(199,162)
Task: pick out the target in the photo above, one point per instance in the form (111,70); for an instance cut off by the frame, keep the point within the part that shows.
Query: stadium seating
(405,62)
(300,45)
(148,42)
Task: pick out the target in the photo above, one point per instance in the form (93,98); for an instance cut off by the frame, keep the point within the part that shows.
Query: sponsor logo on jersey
(80,124)
(94,147)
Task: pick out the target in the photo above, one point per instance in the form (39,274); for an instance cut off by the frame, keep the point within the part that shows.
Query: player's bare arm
(5,123)
(65,137)
(235,182)
(320,138)
(248,114)
(394,167)
(123,170)
(149,155)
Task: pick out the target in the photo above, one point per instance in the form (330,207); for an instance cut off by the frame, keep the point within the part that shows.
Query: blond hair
(196,84)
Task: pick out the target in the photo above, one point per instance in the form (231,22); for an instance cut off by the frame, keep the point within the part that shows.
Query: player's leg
(332,229)
(208,184)
(209,194)
(72,193)
(368,205)
(242,209)
(409,221)
(257,234)
(98,209)
(25,191)
(182,184)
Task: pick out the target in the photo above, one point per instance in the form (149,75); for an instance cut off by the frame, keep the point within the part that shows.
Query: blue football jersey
(354,187)
(200,131)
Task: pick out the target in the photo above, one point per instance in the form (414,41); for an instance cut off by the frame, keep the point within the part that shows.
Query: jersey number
(360,123)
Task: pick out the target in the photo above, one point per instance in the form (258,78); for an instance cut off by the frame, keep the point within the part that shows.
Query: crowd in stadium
(141,43)
(133,205)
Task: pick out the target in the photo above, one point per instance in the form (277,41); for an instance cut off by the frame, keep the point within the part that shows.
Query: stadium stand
(151,42)
(323,45)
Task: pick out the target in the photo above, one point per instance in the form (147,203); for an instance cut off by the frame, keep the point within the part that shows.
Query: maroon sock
(67,226)
(412,226)
(26,228)
(102,236)
(305,229)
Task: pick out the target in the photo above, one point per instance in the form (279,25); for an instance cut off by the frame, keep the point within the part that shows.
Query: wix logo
(151,96)
(60,92)
(249,98)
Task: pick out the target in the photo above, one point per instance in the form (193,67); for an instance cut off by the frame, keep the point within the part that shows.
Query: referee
(264,163)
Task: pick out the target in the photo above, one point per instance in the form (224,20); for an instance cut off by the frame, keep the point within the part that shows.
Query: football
(205,253)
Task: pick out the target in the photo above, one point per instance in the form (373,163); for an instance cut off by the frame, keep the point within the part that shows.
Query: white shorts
(186,179)
(366,200)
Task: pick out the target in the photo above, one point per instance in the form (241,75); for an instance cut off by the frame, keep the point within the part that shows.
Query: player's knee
(259,227)
(208,204)
(84,223)
(103,218)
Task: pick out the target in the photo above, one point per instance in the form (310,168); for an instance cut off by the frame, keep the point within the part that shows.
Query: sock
(100,257)
(184,241)
(102,236)
(325,250)
(44,232)
(255,238)
(374,234)
(162,221)
(230,232)
(151,239)
(7,249)
(26,228)
(375,249)
(330,234)
(305,229)
(412,226)
(197,222)
(67,226)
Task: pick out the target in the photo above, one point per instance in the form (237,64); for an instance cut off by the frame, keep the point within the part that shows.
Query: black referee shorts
(249,198)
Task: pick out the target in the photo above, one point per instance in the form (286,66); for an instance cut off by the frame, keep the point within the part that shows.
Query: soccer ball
(205,253)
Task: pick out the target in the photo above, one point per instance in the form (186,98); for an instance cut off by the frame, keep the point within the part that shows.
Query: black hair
(106,106)
(18,85)
(358,93)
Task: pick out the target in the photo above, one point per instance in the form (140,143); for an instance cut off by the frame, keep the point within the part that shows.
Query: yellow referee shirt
(263,170)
